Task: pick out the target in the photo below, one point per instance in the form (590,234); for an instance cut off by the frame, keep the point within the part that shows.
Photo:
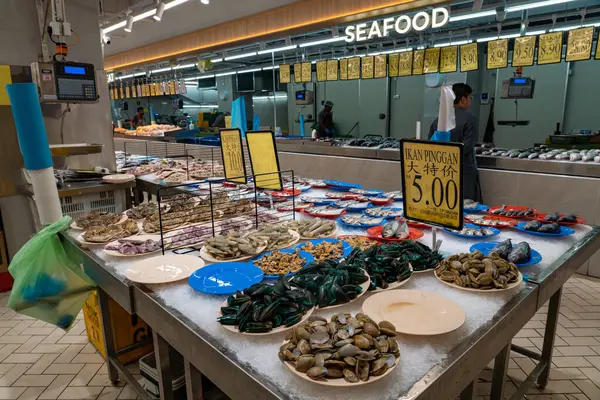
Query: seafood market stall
(431,365)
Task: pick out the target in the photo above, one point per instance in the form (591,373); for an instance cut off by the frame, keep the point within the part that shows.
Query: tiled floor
(39,361)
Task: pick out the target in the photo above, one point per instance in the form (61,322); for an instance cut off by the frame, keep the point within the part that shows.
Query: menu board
(393,66)
(297,73)
(264,160)
(344,69)
(550,48)
(367,67)
(354,68)
(469,57)
(431,64)
(579,44)
(405,63)
(306,72)
(448,59)
(233,155)
(497,54)
(332,70)
(285,73)
(380,66)
(523,51)
(418,60)
(321,71)
(432,182)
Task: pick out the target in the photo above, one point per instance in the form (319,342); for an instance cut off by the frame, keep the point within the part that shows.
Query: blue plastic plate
(347,249)
(481,208)
(225,278)
(495,232)
(342,185)
(318,201)
(362,226)
(487,247)
(361,207)
(307,256)
(564,230)
(386,208)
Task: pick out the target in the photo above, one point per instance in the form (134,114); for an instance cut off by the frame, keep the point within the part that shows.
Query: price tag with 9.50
(432,182)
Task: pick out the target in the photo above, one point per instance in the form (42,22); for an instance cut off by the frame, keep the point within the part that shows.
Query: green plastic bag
(48,286)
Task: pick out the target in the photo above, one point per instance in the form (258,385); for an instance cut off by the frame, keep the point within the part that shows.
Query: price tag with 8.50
(432,182)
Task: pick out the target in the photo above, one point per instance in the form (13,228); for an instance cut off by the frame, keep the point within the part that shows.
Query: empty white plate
(164,269)
(414,312)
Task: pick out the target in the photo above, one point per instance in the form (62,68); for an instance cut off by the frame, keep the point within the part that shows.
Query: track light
(129,23)
(205,2)
(160,9)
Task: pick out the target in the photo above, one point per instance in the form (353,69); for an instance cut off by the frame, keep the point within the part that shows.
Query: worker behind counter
(465,132)
(325,120)
(138,119)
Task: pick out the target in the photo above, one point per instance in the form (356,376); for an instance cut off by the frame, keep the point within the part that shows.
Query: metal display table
(436,367)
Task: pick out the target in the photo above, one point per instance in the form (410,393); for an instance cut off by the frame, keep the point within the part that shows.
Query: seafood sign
(233,156)
(432,182)
(264,160)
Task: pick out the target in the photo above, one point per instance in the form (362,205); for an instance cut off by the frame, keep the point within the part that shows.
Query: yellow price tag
(469,57)
(418,61)
(171,88)
(228,121)
(523,51)
(393,64)
(332,70)
(321,71)
(550,48)
(5,79)
(298,73)
(448,59)
(431,64)
(284,73)
(597,48)
(497,54)
(306,72)
(233,155)
(264,160)
(579,44)
(367,67)
(380,66)
(405,63)
(344,69)
(127,92)
(354,68)
(121,94)
(432,182)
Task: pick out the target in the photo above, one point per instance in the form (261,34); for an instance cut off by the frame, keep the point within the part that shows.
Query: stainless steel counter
(569,168)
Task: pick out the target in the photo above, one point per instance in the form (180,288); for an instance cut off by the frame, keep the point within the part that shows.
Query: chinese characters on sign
(264,159)
(432,182)
(497,54)
(469,57)
(579,44)
(233,155)
(550,48)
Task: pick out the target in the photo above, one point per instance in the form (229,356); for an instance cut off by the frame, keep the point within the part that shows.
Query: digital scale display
(71,70)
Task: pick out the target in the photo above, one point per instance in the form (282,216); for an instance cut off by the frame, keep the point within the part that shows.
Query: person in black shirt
(465,132)
(138,119)
(326,121)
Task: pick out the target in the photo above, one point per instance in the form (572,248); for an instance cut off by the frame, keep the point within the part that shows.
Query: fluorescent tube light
(174,3)
(270,97)
(226,74)
(183,66)
(201,106)
(269,68)
(156,71)
(490,38)
(528,6)
(139,74)
(216,60)
(479,14)
(275,50)
(238,56)
(245,71)
(141,16)
(126,76)
(324,41)
(457,43)
(533,33)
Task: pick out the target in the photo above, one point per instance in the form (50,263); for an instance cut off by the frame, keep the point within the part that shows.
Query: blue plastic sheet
(238,115)
(302,132)
(440,136)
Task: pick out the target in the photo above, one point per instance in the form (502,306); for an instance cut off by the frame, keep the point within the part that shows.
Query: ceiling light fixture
(270,68)
(324,41)
(457,43)
(207,2)
(160,9)
(277,49)
(129,23)
(226,74)
(216,60)
(205,77)
(479,14)
(238,56)
(156,71)
(528,6)
(143,15)
(184,66)
(490,38)
(126,76)
(201,106)
(246,71)
(534,33)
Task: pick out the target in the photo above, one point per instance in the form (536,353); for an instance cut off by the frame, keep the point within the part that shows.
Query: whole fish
(550,228)
(524,155)
(503,249)
(575,156)
(552,217)
(568,218)
(533,226)
(597,159)
(590,156)
(520,254)
(562,156)
(533,156)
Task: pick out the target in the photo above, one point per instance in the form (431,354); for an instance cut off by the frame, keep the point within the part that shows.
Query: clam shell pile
(353,348)
(478,271)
